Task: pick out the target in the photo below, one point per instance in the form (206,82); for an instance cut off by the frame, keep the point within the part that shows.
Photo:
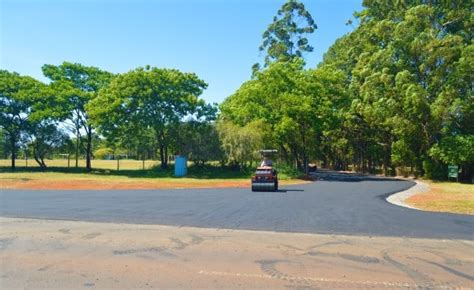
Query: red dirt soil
(85,184)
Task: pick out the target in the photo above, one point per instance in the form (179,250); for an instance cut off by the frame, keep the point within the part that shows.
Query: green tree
(285,38)
(199,141)
(408,67)
(74,86)
(295,105)
(148,99)
(4,150)
(15,108)
(46,137)
(240,143)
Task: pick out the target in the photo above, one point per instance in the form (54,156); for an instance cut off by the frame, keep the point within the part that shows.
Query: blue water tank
(180,166)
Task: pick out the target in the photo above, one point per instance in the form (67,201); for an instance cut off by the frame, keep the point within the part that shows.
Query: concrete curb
(400,197)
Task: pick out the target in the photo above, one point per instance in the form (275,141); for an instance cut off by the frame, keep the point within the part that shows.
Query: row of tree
(397,91)
(140,111)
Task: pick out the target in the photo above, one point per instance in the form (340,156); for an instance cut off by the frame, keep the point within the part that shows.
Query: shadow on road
(327,175)
(287,190)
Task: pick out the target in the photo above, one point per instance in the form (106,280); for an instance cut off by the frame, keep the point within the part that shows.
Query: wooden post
(26,159)
(68,160)
(118,163)
(143,162)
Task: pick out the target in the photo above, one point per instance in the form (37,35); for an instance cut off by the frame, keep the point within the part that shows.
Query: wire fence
(120,164)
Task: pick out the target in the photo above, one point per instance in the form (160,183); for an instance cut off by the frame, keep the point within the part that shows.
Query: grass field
(124,164)
(446,197)
(130,176)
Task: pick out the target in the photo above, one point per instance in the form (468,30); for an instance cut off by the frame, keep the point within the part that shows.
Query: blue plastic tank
(180,166)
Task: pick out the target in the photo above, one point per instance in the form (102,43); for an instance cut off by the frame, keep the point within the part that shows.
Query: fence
(123,164)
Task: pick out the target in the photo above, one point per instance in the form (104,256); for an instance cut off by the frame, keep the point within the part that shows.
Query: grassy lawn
(130,176)
(446,197)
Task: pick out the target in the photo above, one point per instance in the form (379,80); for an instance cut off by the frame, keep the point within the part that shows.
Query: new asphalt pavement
(353,206)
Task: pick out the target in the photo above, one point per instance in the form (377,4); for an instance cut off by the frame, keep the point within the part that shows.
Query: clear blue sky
(216,39)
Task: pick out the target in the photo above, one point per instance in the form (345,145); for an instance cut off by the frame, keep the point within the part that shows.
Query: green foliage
(285,38)
(17,97)
(102,153)
(408,66)
(435,170)
(73,86)
(198,140)
(240,144)
(294,107)
(45,138)
(454,150)
(149,100)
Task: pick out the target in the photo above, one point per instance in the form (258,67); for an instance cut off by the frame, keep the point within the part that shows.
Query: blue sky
(216,39)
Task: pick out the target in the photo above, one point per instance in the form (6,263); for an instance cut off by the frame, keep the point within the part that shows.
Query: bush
(435,170)
(102,153)
(286,171)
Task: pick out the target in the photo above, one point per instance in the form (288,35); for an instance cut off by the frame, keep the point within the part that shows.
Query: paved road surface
(336,206)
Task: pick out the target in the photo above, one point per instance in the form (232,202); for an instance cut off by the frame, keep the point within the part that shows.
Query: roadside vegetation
(449,197)
(394,92)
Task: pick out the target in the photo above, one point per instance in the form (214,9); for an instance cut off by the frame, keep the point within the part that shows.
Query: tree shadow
(349,177)
(290,190)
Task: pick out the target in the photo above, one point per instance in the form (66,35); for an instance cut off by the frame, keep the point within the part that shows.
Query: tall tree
(148,98)
(294,104)
(409,69)
(285,38)
(75,86)
(15,107)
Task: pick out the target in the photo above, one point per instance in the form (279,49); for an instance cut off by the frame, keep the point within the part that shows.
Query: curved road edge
(400,197)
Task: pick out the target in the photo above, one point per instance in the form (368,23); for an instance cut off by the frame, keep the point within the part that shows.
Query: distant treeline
(395,92)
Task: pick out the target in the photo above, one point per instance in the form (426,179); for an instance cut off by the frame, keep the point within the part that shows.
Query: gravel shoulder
(400,198)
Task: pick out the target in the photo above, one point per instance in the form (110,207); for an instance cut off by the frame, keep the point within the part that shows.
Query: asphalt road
(337,206)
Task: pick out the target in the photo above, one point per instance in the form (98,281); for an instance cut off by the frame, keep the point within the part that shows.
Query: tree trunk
(386,164)
(89,149)
(38,157)
(163,157)
(77,147)
(13,148)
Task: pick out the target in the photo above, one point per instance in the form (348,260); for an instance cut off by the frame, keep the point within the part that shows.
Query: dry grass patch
(83,181)
(445,197)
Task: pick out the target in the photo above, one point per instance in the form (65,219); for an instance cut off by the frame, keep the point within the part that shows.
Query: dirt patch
(104,185)
(85,184)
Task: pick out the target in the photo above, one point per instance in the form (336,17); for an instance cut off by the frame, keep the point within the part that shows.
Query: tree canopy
(285,38)
(74,85)
(149,99)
